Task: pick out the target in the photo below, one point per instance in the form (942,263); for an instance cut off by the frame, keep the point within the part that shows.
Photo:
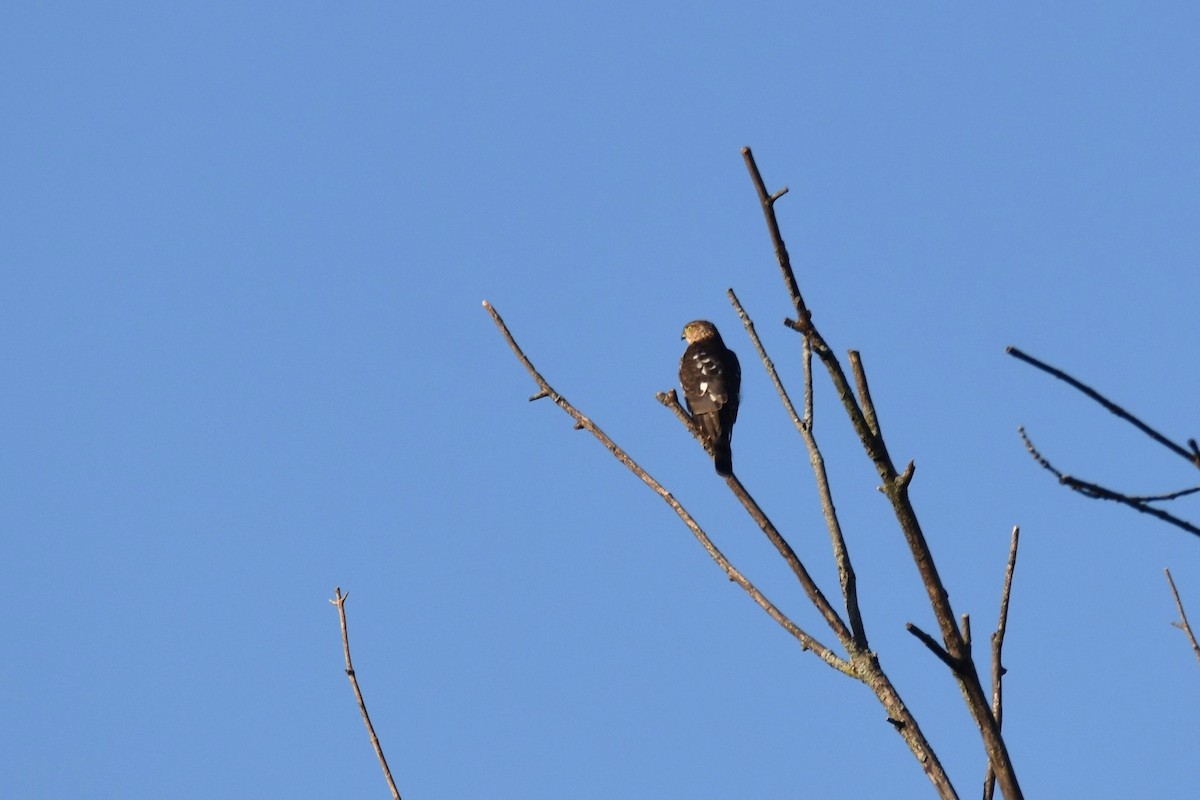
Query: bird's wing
(705,375)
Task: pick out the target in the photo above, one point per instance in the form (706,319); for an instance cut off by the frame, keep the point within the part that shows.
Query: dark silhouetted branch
(933,646)
(1192,456)
(1098,492)
(1141,503)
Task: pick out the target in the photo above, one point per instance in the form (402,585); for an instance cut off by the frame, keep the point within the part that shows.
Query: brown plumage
(712,380)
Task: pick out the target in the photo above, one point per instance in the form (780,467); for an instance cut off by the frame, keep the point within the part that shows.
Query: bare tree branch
(846,575)
(807,642)
(339,600)
(767,201)
(1192,455)
(933,646)
(864,392)
(895,486)
(998,670)
(1098,492)
(862,665)
(1183,624)
(784,398)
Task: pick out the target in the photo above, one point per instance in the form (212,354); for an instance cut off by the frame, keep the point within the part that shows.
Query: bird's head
(698,330)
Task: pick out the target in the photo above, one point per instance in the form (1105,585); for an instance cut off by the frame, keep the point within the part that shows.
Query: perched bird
(712,380)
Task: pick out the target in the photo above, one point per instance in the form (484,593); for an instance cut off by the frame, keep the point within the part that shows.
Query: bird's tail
(723,456)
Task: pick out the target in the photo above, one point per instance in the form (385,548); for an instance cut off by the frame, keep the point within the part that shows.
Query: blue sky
(245,362)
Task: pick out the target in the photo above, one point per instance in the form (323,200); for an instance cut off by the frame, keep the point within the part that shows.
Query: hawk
(712,380)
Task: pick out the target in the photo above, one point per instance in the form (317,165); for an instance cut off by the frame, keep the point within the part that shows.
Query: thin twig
(1098,492)
(339,600)
(815,595)
(748,324)
(806,360)
(846,575)
(1163,498)
(998,670)
(767,201)
(1191,456)
(933,646)
(1183,624)
(864,392)
(807,642)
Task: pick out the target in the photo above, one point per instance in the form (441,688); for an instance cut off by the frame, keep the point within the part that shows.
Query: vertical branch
(767,201)
(957,651)
(846,576)
(784,398)
(806,360)
(864,392)
(998,670)
(1183,624)
(339,600)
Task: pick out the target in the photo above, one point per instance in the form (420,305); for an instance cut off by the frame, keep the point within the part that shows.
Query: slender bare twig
(1183,623)
(1139,503)
(864,392)
(767,201)
(806,641)
(998,670)
(815,595)
(1192,455)
(769,365)
(895,486)
(1163,498)
(1098,492)
(806,361)
(846,575)
(339,600)
(933,646)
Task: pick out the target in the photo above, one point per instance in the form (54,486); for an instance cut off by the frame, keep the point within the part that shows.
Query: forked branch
(1141,503)
(841,553)
(862,416)
(1190,454)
